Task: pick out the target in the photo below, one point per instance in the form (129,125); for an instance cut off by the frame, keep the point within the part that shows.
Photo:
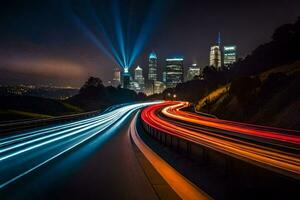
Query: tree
(93,88)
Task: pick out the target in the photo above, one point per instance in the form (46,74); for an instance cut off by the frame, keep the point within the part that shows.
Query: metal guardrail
(202,153)
(14,126)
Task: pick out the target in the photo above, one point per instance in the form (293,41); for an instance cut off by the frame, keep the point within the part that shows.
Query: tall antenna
(219,39)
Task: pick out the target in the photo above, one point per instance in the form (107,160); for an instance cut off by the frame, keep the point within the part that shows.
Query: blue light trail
(26,152)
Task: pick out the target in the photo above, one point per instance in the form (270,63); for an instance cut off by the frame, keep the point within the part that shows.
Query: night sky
(41,43)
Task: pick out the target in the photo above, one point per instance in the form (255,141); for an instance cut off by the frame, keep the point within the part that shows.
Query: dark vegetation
(94,95)
(24,107)
(274,100)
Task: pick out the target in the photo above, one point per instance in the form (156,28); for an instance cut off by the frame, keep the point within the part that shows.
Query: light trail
(21,155)
(270,158)
(258,131)
(182,186)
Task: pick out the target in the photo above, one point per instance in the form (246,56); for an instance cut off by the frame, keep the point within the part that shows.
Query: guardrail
(231,166)
(13,126)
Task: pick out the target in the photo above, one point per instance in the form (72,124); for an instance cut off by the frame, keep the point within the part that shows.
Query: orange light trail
(284,162)
(174,112)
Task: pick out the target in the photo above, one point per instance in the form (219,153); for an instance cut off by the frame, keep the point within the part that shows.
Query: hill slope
(270,98)
(26,107)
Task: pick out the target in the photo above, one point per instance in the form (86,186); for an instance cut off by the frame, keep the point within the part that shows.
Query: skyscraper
(215,57)
(229,55)
(117,77)
(138,77)
(126,80)
(159,87)
(192,71)
(152,75)
(174,71)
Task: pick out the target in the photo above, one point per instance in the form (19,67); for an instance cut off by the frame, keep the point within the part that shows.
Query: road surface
(87,159)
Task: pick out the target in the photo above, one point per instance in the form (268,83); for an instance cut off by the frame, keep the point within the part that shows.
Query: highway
(86,159)
(271,148)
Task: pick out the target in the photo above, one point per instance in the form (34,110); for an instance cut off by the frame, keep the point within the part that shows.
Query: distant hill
(93,95)
(26,107)
(269,98)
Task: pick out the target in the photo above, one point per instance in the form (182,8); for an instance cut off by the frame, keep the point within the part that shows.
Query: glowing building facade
(139,78)
(117,77)
(152,74)
(215,56)
(159,87)
(126,78)
(192,71)
(174,72)
(229,55)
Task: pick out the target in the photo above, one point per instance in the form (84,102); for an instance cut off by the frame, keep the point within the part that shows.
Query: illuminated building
(152,75)
(164,76)
(117,77)
(159,87)
(139,78)
(215,56)
(174,72)
(229,55)
(192,71)
(133,85)
(126,78)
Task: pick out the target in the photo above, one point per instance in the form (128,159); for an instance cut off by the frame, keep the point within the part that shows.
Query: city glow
(174,59)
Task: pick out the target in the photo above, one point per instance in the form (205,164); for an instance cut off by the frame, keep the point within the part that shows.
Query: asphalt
(98,169)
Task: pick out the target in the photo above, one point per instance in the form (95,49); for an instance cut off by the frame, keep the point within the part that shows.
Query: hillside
(269,98)
(93,95)
(28,107)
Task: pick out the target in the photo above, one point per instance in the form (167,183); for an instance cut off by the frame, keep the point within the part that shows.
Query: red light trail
(271,158)
(258,131)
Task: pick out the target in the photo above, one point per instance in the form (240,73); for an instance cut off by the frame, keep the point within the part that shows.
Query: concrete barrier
(231,167)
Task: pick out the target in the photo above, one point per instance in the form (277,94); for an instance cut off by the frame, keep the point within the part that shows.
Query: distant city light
(229,48)
(152,55)
(174,59)
(126,69)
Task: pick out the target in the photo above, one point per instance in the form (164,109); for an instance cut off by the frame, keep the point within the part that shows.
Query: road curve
(87,159)
(224,142)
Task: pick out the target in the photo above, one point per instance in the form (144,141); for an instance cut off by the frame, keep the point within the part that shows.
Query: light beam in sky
(121,34)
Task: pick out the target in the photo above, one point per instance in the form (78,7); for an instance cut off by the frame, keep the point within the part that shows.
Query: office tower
(126,78)
(152,75)
(174,72)
(159,87)
(139,78)
(215,57)
(164,76)
(192,71)
(117,77)
(134,86)
(229,55)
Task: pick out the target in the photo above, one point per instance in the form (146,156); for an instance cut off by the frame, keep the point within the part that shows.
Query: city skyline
(149,99)
(55,53)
